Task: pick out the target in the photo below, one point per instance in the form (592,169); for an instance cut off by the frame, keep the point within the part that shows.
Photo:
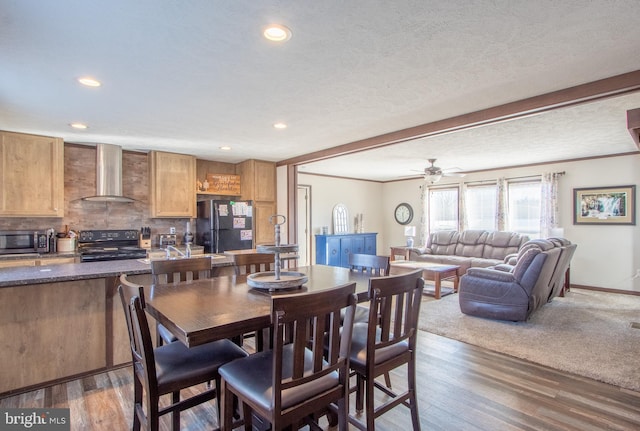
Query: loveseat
(469,248)
(513,292)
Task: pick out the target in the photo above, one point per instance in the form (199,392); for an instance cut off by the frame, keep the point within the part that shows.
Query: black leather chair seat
(358,358)
(179,365)
(252,378)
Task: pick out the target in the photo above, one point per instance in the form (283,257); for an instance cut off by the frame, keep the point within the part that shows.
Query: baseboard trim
(605,289)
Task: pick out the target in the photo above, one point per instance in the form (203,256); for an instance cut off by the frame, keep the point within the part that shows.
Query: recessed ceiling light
(225,148)
(89,82)
(280,126)
(277,33)
(78,126)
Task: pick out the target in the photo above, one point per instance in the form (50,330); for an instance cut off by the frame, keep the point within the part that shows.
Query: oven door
(12,242)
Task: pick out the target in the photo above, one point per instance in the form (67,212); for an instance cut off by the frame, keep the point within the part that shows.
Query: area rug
(587,333)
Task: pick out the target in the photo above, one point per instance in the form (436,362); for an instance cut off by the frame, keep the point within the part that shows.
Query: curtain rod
(513,178)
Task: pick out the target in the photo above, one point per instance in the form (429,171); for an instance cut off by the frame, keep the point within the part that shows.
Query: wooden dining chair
(254,262)
(375,266)
(291,383)
(174,271)
(385,342)
(170,368)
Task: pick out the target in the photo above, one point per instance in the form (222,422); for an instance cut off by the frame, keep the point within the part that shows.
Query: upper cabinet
(172,185)
(31,175)
(258,183)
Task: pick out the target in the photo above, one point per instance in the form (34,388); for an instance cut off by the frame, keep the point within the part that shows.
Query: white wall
(607,256)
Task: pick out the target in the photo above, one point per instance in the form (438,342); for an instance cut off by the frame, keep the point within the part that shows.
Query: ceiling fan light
(432,178)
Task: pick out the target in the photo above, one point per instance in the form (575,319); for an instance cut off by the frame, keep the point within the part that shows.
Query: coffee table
(430,271)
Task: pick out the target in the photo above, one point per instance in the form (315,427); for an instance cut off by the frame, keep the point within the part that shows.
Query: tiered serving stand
(277,280)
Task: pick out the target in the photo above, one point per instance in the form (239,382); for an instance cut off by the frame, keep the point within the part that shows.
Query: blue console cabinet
(334,250)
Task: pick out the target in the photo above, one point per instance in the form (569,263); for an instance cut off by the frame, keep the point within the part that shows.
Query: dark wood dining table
(211,309)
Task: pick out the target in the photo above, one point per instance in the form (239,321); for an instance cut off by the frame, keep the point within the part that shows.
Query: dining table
(205,310)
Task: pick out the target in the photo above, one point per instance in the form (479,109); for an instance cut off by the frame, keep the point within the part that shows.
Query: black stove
(100,245)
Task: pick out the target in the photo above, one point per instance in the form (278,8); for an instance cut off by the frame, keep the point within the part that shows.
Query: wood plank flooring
(460,387)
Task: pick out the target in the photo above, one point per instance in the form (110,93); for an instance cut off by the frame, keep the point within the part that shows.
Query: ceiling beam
(583,93)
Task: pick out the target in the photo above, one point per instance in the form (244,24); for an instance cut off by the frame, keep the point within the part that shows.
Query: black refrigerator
(224,225)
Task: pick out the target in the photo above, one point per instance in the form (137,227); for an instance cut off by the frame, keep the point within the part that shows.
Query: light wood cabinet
(258,183)
(172,185)
(31,175)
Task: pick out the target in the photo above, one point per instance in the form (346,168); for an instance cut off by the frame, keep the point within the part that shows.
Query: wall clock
(403,213)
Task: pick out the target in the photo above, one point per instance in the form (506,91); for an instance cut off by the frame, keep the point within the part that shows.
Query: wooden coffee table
(430,271)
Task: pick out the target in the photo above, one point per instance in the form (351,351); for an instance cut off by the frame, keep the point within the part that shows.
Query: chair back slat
(310,315)
(177,270)
(394,310)
(254,262)
(375,266)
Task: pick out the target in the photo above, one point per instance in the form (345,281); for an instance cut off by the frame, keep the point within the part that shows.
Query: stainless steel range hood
(108,175)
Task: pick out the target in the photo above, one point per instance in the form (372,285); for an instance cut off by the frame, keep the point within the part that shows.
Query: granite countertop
(25,275)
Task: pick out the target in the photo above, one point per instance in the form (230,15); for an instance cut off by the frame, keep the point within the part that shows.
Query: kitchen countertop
(26,275)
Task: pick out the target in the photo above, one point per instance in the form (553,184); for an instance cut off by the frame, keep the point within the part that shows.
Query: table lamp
(409,232)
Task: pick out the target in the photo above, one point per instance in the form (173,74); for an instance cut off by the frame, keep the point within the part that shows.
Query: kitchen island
(64,321)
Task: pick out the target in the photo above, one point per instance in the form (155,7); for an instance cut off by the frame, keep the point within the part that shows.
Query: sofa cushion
(524,261)
(443,242)
(471,243)
(500,244)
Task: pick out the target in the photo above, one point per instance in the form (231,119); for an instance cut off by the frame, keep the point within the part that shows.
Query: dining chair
(293,383)
(251,263)
(254,262)
(170,368)
(387,341)
(173,271)
(374,266)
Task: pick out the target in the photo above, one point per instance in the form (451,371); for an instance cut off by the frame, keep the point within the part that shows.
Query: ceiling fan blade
(453,174)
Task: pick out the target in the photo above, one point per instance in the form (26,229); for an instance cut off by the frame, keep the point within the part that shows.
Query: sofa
(469,248)
(514,290)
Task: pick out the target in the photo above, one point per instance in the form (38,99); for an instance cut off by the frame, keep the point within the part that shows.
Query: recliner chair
(515,294)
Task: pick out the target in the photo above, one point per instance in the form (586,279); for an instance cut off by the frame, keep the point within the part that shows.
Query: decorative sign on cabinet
(334,250)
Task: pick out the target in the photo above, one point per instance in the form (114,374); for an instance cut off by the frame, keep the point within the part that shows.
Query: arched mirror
(340,219)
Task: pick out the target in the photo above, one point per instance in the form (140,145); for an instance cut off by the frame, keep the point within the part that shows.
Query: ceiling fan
(433,174)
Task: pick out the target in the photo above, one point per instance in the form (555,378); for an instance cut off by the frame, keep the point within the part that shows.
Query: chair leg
(387,380)
(218,398)
(175,415)
(369,403)
(413,398)
(343,414)
(247,415)
(359,393)
(137,401)
(227,402)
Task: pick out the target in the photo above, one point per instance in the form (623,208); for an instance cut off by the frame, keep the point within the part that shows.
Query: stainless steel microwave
(23,241)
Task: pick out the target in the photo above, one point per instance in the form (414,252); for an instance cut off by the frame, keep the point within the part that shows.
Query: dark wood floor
(460,387)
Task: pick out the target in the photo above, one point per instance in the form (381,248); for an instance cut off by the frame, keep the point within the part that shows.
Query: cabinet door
(358,245)
(346,244)
(173,185)
(31,175)
(264,181)
(369,244)
(334,251)
(264,230)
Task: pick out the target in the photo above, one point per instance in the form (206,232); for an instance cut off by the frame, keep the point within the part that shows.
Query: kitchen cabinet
(334,250)
(32,175)
(258,183)
(172,185)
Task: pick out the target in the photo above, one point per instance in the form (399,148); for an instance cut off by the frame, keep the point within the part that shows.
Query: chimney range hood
(108,175)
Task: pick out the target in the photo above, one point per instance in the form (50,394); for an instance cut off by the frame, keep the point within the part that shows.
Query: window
(480,207)
(524,208)
(443,209)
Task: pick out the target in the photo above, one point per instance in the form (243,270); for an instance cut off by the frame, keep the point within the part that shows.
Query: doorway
(303,229)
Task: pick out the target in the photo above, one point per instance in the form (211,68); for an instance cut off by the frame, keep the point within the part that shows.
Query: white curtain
(501,204)
(424,216)
(463,220)
(549,212)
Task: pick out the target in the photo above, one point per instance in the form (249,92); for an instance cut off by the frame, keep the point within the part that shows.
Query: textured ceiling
(192,76)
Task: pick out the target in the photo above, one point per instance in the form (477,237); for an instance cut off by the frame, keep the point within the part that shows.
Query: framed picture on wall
(605,205)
